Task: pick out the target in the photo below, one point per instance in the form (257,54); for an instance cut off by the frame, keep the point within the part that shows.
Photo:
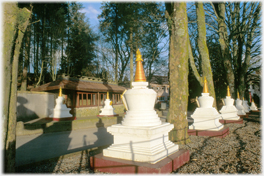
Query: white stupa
(239,106)
(141,136)
(205,117)
(253,106)
(60,111)
(229,111)
(245,105)
(108,109)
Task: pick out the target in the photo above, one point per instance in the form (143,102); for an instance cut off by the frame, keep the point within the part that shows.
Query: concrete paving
(37,147)
(34,148)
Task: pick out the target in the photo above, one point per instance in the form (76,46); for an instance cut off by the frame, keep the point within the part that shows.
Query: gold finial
(243,99)
(228,92)
(223,101)
(205,88)
(252,100)
(124,100)
(197,102)
(107,95)
(140,75)
(238,95)
(138,56)
(60,92)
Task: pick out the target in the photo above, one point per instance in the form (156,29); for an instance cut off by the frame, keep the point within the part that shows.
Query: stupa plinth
(229,111)
(141,137)
(253,106)
(241,112)
(206,117)
(108,109)
(61,112)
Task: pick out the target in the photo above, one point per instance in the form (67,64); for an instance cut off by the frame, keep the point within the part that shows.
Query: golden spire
(140,75)
(60,92)
(228,92)
(238,95)
(107,95)
(205,88)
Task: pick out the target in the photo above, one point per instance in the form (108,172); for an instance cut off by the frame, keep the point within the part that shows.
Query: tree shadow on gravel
(240,167)
(199,152)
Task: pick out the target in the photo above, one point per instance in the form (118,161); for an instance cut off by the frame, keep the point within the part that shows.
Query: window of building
(102,99)
(116,99)
(161,98)
(91,99)
(86,99)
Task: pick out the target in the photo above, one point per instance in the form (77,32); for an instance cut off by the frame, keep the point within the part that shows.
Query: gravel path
(239,152)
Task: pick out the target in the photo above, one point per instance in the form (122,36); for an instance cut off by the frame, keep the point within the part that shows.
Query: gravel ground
(237,153)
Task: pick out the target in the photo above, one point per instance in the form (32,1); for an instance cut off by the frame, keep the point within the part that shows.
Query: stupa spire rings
(205,88)
(60,92)
(228,92)
(238,95)
(139,75)
(107,95)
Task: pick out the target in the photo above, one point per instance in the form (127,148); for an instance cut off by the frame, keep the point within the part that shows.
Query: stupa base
(121,166)
(239,121)
(60,118)
(221,133)
(255,111)
(108,115)
(244,116)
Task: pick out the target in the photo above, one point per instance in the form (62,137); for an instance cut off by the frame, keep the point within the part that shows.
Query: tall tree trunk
(131,56)
(203,50)
(235,20)
(17,21)
(26,61)
(244,67)
(116,47)
(178,70)
(9,26)
(43,47)
(223,40)
(37,55)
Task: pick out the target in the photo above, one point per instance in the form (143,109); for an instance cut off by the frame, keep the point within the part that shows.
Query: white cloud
(91,12)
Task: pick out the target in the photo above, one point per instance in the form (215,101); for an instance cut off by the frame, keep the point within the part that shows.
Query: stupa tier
(229,111)
(61,112)
(245,105)
(206,117)
(241,112)
(108,109)
(253,106)
(141,139)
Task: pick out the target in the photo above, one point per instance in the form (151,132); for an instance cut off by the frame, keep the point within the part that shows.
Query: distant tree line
(58,40)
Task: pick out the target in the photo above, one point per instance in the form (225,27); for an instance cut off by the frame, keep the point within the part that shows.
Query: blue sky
(92,10)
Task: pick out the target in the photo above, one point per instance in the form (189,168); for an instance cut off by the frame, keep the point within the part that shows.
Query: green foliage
(81,38)
(145,21)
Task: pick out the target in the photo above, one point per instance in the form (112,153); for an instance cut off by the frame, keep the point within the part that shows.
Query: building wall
(33,105)
(93,111)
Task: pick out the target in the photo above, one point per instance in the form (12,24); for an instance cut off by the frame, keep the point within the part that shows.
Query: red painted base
(107,115)
(243,116)
(255,110)
(115,165)
(221,133)
(239,121)
(60,119)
